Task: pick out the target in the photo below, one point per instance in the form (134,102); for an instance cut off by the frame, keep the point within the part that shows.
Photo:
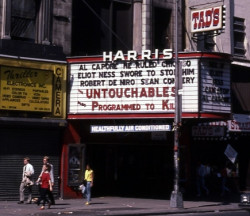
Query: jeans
(224,188)
(201,185)
(88,191)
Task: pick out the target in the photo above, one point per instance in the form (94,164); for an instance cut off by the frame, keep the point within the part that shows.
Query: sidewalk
(114,206)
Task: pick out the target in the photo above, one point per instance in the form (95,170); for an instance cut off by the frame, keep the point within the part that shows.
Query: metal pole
(176,200)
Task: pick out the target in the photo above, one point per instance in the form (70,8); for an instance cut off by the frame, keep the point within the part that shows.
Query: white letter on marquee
(119,55)
(107,57)
(168,53)
(132,55)
(146,54)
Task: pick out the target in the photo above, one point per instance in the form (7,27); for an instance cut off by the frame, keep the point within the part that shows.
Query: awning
(239,123)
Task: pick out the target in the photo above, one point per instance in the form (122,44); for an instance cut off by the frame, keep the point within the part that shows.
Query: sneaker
(20,202)
(42,208)
(87,203)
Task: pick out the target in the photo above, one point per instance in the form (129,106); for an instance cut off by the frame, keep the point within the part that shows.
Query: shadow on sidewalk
(224,200)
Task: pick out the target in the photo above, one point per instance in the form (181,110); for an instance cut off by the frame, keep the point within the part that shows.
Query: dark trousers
(43,196)
(51,197)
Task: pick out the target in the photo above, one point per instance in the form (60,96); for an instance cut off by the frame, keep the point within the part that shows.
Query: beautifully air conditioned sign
(116,86)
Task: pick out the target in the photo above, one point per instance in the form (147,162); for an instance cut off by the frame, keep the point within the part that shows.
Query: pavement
(115,206)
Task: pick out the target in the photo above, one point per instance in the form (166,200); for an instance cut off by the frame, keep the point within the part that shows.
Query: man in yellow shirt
(89,177)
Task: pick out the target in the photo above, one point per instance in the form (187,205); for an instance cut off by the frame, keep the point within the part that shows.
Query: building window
(27,20)
(239,36)
(101,25)
(23,20)
(161,28)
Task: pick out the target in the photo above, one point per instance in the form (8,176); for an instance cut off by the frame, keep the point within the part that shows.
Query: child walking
(45,186)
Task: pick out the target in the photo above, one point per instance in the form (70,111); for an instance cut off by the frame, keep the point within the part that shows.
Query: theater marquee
(148,86)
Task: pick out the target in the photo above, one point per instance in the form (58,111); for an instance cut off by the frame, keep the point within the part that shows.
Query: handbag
(82,188)
(27,182)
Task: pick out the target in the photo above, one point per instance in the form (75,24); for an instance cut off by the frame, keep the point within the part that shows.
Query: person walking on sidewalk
(201,174)
(45,187)
(224,177)
(51,172)
(27,181)
(89,178)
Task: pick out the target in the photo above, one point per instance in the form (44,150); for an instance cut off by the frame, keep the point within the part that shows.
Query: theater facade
(121,112)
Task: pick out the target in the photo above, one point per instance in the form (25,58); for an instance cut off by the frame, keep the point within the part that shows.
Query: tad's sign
(208,19)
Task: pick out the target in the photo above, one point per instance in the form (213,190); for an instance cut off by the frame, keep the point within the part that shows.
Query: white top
(28,170)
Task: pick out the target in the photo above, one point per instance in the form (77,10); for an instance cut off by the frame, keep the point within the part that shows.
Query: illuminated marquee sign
(140,87)
(128,128)
(208,19)
(148,86)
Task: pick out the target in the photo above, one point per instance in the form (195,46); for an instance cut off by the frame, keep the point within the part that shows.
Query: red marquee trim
(180,55)
(148,115)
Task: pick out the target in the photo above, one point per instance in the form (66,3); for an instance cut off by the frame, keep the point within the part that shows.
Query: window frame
(239,36)
(43,26)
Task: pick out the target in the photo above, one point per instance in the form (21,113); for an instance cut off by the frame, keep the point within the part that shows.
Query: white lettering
(107,57)
(167,53)
(146,54)
(119,56)
(132,55)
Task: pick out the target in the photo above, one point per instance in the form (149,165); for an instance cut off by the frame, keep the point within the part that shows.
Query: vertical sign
(58,91)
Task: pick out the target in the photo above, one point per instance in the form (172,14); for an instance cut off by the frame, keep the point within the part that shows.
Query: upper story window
(101,25)
(27,20)
(162,38)
(23,20)
(239,36)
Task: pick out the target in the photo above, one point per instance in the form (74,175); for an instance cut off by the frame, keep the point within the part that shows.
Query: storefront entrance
(125,164)
(132,169)
(32,142)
